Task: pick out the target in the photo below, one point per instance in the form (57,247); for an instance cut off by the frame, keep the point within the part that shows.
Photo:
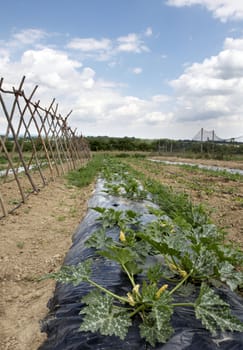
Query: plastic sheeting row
(63,321)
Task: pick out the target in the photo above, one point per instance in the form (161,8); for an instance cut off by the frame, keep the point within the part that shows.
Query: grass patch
(87,174)
(20,245)
(61,218)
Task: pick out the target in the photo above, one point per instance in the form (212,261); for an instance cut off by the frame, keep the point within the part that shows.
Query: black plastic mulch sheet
(63,321)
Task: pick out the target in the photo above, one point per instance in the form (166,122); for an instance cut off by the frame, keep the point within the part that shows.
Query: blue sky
(142,68)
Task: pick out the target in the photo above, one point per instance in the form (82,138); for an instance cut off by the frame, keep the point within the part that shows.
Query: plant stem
(141,307)
(173,260)
(128,274)
(180,283)
(183,304)
(124,300)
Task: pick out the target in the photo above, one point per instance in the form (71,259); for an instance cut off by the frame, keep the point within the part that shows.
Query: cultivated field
(35,239)
(221,193)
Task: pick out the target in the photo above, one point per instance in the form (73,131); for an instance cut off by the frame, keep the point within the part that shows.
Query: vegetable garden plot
(156,283)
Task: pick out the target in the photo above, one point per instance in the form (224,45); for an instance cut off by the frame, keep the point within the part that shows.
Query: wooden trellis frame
(53,147)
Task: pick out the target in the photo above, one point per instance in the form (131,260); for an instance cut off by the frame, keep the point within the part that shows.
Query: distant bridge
(205,135)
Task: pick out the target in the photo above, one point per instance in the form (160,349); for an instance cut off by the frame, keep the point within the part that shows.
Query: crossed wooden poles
(59,150)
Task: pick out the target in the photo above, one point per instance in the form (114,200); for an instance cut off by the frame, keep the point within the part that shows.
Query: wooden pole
(33,112)
(20,123)
(63,143)
(5,213)
(52,130)
(13,169)
(27,132)
(17,145)
(46,134)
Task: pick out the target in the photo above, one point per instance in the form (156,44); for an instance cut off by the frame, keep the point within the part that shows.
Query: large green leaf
(99,240)
(155,273)
(122,255)
(231,254)
(148,291)
(156,326)
(109,217)
(151,333)
(100,210)
(229,275)
(131,217)
(158,245)
(162,310)
(203,261)
(101,315)
(74,274)
(178,242)
(206,234)
(214,313)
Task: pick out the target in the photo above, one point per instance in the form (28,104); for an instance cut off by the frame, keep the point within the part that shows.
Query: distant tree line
(27,144)
(218,149)
(105,143)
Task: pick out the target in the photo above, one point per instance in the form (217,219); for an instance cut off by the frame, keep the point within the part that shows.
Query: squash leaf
(101,315)
(74,274)
(99,240)
(214,313)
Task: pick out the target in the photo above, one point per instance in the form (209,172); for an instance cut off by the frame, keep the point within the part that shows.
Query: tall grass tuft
(87,174)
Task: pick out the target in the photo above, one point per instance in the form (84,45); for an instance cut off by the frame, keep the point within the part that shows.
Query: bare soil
(35,239)
(220,195)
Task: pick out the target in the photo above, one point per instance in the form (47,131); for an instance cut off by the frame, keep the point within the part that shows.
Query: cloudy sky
(142,68)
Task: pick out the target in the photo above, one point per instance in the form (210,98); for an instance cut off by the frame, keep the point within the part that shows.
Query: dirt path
(34,241)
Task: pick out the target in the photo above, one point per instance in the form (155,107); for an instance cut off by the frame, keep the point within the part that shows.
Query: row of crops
(171,261)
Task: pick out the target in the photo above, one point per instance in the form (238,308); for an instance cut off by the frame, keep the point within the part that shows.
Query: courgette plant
(112,314)
(192,260)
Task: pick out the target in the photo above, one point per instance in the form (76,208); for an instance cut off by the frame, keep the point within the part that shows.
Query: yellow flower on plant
(183,273)
(136,289)
(173,267)
(160,291)
(122,236)
(131,301)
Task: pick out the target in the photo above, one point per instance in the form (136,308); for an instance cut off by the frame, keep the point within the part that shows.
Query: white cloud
(89,44)
(136,111)
(222,9)
(105,49)
(156,117)
(100,50)
(137,70)
(4,56)
(231,43)
(215,75)
(211,91)
(149,32)
(28,36)
(160,98)
(98,105)
(50,67)
(131,43)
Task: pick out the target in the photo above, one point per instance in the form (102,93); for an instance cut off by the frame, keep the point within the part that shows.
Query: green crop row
(192,261)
